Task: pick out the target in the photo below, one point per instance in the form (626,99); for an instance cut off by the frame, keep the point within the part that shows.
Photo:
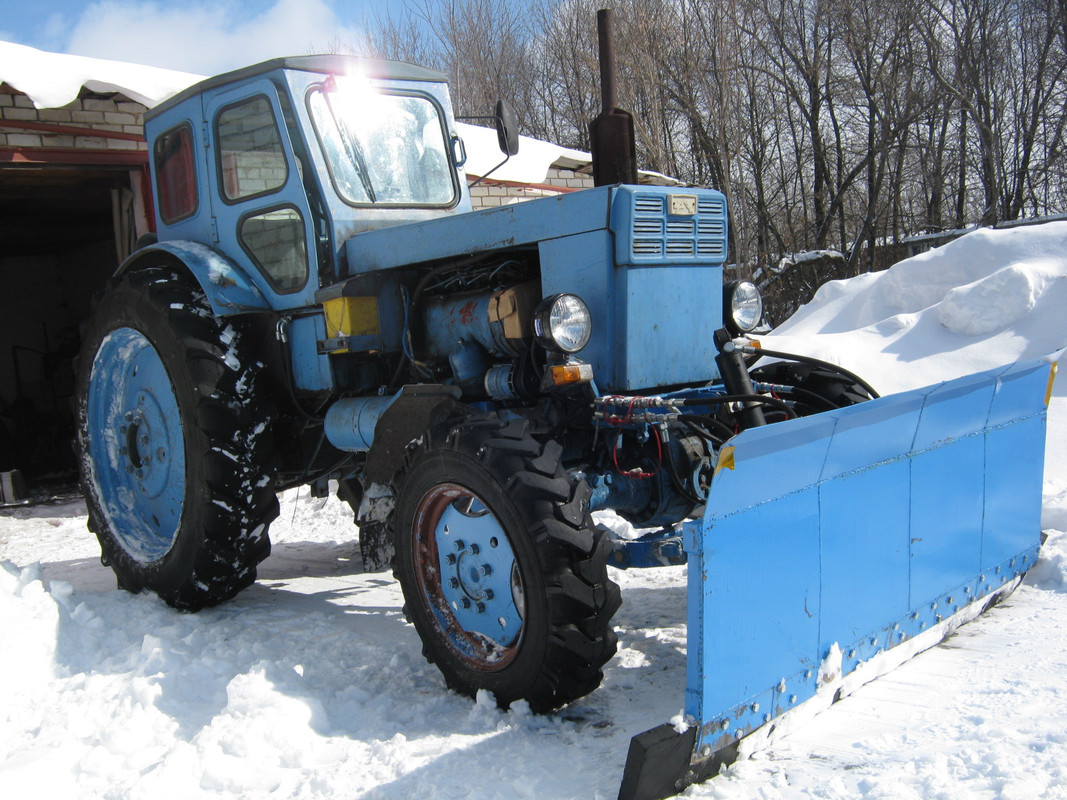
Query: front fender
(228,288)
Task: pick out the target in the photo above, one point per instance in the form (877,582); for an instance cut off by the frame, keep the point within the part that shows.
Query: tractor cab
(278,164)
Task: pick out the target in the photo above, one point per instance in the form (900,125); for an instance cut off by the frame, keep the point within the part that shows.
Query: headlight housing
(562,323)
(742,306)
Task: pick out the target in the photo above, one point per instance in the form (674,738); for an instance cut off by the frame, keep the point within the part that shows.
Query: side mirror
(507,128)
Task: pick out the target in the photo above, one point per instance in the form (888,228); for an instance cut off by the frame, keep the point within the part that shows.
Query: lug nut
(453,583)
(479,607)
(475,549)
(487,570)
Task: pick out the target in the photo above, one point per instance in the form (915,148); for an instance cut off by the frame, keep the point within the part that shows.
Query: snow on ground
(310,684)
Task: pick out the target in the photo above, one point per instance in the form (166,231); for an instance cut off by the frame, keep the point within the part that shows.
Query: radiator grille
(658,235)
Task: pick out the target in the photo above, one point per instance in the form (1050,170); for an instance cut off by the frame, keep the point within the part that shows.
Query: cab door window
(252,164)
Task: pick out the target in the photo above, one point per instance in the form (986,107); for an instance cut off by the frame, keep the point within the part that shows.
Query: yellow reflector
(571,373)
(726,459)
(1051,381)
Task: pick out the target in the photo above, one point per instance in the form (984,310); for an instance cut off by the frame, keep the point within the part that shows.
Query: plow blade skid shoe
(830,540)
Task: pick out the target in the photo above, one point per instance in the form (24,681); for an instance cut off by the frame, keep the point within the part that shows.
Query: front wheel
(503,571)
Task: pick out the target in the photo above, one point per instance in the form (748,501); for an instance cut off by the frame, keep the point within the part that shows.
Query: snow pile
(989,298)
(30,617)
(1050,572)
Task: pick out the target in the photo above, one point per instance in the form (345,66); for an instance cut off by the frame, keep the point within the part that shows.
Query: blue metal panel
(583,265)
(480,231)
(311,370)
(672,305)
(865,526)
(736,650)
(1014,463)
(197,227)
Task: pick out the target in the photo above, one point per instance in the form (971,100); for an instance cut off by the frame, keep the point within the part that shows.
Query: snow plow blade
(837,546)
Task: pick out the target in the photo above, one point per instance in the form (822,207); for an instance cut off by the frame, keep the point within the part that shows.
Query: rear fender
(883,524)
(227,287)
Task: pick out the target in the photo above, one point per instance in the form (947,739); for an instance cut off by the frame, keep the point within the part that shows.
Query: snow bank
(30,616)
(1050,572)
(989,298)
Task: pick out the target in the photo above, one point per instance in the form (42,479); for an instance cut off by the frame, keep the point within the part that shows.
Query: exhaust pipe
(611,134)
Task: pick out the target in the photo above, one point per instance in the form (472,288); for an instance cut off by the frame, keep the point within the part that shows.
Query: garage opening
(62,228)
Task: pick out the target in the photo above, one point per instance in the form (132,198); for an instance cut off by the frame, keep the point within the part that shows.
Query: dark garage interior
(57,225)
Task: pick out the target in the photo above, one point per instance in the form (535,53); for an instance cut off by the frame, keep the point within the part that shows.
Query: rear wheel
(502,569)
(174,442)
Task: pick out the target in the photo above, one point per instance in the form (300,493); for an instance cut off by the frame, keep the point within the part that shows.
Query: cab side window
(175,173)
(251,158)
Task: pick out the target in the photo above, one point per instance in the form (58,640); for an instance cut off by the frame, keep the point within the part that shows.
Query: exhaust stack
(612,132)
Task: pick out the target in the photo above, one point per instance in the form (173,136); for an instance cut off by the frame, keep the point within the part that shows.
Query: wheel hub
(147,449)
(479,578)
(135,433)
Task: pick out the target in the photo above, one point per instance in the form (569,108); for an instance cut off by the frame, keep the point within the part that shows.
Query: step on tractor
(321,306)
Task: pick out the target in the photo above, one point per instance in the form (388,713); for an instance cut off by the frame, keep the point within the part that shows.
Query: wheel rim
(137,452)
(467,571)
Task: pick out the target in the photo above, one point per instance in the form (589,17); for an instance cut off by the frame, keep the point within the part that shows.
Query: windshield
(383,148)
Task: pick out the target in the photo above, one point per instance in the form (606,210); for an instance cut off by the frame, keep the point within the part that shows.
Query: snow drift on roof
(52,80)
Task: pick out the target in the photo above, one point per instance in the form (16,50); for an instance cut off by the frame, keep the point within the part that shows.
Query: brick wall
(489,194)
(107,115)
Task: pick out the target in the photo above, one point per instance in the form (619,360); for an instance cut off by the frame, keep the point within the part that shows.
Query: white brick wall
(491,195)
(115,114)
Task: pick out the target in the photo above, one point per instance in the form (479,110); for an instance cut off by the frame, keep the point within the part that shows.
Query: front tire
(503,570)
(174,442)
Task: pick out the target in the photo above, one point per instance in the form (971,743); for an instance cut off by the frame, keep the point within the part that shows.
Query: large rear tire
(174,442)
(503,570)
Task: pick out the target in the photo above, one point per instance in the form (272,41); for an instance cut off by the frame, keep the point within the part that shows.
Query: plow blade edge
(831,539)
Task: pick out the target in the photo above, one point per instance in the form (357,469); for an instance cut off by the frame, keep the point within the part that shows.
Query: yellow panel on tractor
(351,316)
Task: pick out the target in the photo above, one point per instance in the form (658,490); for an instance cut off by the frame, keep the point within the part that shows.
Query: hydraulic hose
(815,362)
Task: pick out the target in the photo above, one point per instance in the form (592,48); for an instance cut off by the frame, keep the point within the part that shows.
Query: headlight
(743,306)
(562,323)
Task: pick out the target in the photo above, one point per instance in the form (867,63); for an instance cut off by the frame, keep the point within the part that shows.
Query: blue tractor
(322,307)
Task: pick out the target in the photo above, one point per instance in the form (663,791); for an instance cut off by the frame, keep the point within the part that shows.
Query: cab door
(261,212)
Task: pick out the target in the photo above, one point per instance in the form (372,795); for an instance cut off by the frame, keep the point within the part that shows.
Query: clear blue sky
(200,36)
